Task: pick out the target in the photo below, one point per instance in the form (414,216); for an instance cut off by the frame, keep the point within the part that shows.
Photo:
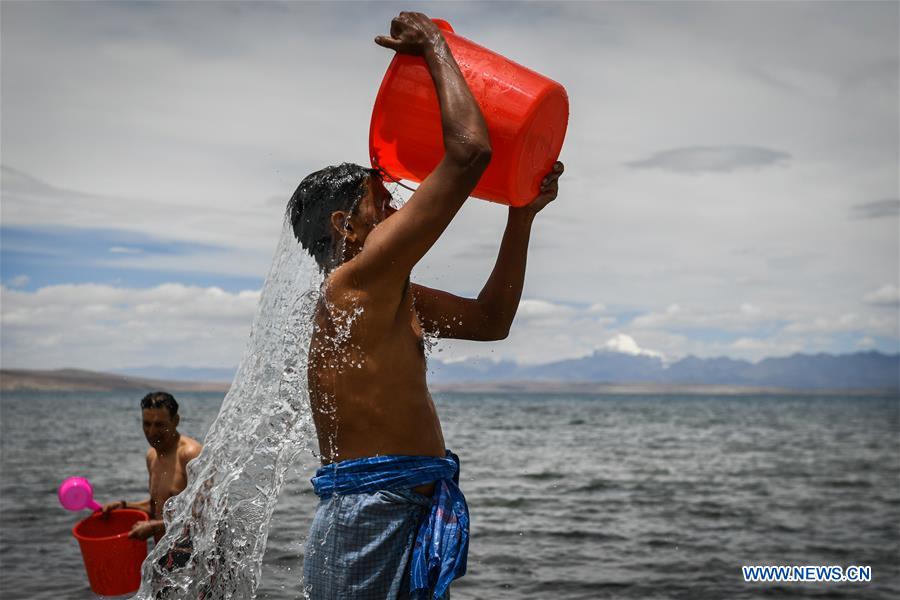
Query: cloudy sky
(731,183)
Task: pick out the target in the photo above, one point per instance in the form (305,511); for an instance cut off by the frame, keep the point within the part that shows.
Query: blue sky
(41,257)
(731,184)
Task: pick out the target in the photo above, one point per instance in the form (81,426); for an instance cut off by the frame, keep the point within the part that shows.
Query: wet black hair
(160,400)
(334,188)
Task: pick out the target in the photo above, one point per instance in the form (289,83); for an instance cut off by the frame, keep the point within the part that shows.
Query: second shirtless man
(167,459)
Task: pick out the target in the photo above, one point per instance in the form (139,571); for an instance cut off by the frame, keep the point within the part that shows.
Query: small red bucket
(112,559)
(526,115)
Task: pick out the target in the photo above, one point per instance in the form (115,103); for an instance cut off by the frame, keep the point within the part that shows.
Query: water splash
(218,526)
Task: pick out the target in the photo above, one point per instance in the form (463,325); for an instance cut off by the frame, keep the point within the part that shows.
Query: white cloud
(19,281)
(744,317)
(756,348)
(874,325)
(104,327)
(845,322)
(532,310)
(124,250)
(750,310)
(748,343)
(886,295)
(865,343)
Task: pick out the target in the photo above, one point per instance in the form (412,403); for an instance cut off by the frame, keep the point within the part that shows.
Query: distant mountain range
(181,373)
(603,371)
(863,370)
(67,380)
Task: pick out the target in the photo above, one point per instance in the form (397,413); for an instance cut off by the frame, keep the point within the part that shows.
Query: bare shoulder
(341,285)
(341,292)
(189,449)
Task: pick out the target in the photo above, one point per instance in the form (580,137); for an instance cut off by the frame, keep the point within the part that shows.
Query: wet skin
(167,460)
(366,366)
(367,370)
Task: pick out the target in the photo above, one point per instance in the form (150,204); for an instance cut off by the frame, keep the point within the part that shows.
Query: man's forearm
(465,131)
(159,526)
(144,505)
(503,290)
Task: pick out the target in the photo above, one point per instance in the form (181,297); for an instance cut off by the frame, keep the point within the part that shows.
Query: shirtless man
(167,460)
(392,522)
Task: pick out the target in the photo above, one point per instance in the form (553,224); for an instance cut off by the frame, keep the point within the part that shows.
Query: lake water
(571,496)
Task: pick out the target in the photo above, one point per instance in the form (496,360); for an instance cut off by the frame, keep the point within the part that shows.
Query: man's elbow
(497,333)
(481,155)
(471,154)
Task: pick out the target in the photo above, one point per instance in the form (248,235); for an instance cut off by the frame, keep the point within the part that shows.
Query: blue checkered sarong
(371,529)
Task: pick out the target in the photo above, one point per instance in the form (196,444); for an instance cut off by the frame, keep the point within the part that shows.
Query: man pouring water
(392,521)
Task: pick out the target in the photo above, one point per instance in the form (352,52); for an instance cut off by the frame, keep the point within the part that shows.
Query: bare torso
(367,379)
(168,473)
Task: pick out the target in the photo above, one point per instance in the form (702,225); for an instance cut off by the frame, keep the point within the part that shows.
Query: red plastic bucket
(526,114)
(112,560)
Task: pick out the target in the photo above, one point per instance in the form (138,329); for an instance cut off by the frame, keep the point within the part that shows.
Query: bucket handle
(385,174)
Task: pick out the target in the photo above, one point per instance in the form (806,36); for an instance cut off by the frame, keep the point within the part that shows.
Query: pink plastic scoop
(76,493)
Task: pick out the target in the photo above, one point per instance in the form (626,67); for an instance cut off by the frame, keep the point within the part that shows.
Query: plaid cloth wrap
(442,542)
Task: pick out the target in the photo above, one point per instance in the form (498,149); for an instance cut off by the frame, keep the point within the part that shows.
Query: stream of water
(217,528)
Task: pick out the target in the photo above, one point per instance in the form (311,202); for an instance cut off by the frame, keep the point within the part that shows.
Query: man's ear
(176,420)
(340,221)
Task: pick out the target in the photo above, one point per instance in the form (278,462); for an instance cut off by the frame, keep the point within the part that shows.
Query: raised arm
(392,249)
(489,316)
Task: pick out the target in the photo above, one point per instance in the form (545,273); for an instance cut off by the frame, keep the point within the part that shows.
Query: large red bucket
(526,114)
(112,560)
